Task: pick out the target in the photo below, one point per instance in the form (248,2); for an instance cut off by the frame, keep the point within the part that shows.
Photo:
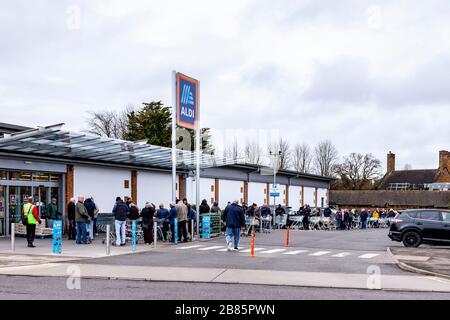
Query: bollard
(108,240)
(13,237)
(253,244)
(192,230)
(288,233)
(155,233)
(133,236)
(175,229)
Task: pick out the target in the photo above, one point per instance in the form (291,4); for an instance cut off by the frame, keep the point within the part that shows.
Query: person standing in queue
(91,208)
(215,207)
(182,213)
(163,214)
(71,217)
(172,216)
(204,207)
(120,211)
(51,212)
(306,215)
(363,217)
(147,222)
(81,219)
(192,215)
(235,220)
(31,216)
(133,214)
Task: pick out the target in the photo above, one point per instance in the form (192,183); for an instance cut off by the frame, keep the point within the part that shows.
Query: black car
(414,227)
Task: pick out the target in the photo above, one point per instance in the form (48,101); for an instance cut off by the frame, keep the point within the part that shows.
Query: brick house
(401,189)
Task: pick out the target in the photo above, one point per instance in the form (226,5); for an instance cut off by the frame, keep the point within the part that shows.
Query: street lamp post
(275,163)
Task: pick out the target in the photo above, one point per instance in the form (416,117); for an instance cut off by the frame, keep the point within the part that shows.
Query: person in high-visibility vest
(31,216)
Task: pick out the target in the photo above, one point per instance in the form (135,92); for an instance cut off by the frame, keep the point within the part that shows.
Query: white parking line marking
(226,249)
(295,252)
(274,251)
(190,247)
(256,249)
(368,255)
(211,248)
(319,253)
(341,255)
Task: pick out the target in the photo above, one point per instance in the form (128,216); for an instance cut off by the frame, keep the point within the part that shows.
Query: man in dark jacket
(327,212)
(71,217)
(120,211)
(172,216)
(235,220)
(306,215)
(363,216)
(91,209)
(147,222)
(163,214)
(204,207)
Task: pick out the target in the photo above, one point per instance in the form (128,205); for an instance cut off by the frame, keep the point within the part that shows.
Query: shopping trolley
(104,220)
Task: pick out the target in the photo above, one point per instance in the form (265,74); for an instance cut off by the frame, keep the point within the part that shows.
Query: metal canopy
(54,142)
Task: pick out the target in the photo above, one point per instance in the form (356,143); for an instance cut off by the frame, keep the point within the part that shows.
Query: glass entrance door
(41,197)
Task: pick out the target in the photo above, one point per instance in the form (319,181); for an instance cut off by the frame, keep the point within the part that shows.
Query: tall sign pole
(197,151)
(187,106)
(174,135)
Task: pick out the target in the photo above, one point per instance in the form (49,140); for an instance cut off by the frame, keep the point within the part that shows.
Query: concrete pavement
(70,249)
(29,288)
(321,259)
(431,261)
(235,276)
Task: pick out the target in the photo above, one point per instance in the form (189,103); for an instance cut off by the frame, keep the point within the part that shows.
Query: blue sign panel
(206,226)
(133,235)
(57,237)
(175,230)
(187,101)
(274,194)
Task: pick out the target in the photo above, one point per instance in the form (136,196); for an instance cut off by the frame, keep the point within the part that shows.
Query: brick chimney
(444,159)
(390,162)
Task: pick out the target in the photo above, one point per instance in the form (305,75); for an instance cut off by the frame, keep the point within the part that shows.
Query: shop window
(21,176)
(54,177)
(40,177)
(3,175)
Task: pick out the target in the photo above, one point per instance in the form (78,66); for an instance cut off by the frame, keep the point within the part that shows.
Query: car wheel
(412,239)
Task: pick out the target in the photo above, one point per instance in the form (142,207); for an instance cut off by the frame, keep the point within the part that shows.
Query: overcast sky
(370,76)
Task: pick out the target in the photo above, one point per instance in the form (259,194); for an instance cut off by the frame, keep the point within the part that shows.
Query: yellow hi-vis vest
(28,212)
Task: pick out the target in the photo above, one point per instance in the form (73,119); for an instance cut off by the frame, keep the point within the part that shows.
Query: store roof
(54,142)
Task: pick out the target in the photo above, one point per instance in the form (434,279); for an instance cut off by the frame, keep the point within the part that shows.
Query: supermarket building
(50,162)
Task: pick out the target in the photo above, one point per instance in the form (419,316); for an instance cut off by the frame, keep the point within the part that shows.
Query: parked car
(414,227)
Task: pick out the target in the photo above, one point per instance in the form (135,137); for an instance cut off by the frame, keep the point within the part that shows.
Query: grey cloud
(349,80)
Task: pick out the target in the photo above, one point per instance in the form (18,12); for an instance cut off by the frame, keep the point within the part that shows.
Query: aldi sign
(187,101)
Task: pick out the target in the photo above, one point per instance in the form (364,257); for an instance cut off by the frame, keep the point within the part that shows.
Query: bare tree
(253,153)
(357,170)
(302,158)
(111,124)
(407,166)
(325,158)
(283,150)
(233,151)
